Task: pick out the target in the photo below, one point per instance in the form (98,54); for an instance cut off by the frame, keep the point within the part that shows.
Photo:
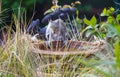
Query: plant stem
(0,6)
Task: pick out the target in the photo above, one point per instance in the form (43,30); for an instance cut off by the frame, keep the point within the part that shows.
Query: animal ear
(64,24)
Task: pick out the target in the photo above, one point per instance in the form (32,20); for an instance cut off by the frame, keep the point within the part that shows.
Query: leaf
(77,2)
(54,7)
(118,17)
(93,21)
(104,13)
(72,4)
(117,27)
(88,33)
(112,31)
(66,6)
(111,20)
(48,11)
(86,29)
(108,12)
(117,53)
(86,21)
(112,9)
(78,20)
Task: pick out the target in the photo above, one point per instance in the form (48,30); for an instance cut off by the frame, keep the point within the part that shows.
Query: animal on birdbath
(56,31)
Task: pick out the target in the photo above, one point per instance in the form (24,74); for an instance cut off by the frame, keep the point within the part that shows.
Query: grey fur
(56,30)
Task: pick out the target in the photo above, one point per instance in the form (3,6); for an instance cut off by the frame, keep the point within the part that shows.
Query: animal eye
(52,26)
(47,36)
(54,29)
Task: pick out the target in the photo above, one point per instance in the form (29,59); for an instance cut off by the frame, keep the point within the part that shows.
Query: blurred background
(87,8)
(35,9)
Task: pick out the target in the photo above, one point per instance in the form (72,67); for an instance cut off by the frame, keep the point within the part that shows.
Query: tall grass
(14,53)
(18,60)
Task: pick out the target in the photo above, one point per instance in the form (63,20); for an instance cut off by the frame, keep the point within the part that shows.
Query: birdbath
(60,57)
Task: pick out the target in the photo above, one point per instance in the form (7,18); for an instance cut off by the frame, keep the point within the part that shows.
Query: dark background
(87,8)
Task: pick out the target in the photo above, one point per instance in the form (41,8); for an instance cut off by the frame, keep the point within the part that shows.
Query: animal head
(56,30)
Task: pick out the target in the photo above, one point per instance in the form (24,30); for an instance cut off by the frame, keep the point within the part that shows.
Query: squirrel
(56,30)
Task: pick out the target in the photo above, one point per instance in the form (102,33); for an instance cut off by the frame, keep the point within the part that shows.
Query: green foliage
(54,7)
(104,73)
(92,29)
(16,60)
(118,17)
(113,25)
(108,12)
(48,11)
(9,75)
(117,53)
(16,3)
(118,30)
(111,20)
(92,22)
